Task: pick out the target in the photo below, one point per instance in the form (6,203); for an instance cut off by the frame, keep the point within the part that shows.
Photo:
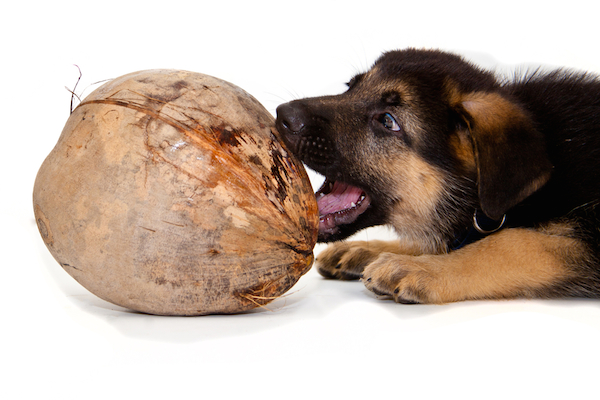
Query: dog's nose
(290,119)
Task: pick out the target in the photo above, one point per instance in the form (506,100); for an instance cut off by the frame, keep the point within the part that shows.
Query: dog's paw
(346,260)
(406,279)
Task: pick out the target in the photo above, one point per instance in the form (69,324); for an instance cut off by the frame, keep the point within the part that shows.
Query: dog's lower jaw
(329,223)
(340,204)
(341,232)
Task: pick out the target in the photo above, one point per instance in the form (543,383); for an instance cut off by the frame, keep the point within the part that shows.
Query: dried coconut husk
(170,192)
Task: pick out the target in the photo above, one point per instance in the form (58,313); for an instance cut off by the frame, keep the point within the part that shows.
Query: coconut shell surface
(169,192)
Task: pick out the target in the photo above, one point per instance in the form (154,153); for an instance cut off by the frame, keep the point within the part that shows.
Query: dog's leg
(347,260)
(511,263)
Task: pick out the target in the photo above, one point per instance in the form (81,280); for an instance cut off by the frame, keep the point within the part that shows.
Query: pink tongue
(341,197)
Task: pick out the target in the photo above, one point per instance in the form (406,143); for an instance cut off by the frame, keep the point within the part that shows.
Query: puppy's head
(419,142)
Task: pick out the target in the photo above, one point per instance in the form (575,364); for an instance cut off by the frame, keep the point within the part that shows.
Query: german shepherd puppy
(492,185)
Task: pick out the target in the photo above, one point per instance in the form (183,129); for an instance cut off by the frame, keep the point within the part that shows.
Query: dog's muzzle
(302,132)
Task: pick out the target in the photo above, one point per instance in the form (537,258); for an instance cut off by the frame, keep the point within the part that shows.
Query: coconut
(170,192)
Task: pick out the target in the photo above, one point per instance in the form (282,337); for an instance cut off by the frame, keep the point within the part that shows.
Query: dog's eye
(388,121)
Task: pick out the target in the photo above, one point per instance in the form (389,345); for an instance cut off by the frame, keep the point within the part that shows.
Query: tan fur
(484,270)
(462,146)
(491,111)
(378,86)
(460,142)
(493,114)
(421,190)
(420,186)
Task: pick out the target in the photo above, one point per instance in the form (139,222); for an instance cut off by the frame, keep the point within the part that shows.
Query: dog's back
(566,109)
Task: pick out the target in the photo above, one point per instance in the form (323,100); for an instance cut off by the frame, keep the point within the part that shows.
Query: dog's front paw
(406,279)
(346,260)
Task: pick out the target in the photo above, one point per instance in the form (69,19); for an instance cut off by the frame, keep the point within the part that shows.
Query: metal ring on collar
(487,232)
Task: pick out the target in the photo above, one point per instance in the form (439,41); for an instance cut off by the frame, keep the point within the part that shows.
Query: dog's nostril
(293,125)
(290,118)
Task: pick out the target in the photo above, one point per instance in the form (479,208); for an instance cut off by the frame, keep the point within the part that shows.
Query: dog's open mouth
(339,204)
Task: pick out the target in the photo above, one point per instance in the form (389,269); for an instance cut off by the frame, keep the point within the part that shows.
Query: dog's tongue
(339,203)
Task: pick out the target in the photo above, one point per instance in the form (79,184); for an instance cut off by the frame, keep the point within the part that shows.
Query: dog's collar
(482,227)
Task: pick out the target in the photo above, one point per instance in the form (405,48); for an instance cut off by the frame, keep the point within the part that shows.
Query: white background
(326,339)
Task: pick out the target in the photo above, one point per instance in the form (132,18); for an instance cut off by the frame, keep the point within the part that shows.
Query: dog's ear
(510,153)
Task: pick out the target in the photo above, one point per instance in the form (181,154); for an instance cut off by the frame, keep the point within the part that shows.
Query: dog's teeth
(352,205)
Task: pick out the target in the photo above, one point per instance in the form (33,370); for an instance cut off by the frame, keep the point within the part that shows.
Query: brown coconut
(170,192)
